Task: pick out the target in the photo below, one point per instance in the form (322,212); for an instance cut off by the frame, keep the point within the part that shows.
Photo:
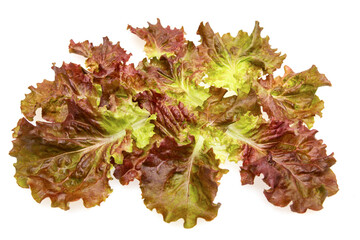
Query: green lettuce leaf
(235,62)
(245,130)
(181,181)
(224,146)
(293,95)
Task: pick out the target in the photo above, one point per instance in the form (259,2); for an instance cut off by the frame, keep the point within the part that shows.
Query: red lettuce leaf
(181,181)
(171,120)
(69,160)
(296,167)
(101,60)
(128,81)
(172,117)
(292,97)
(160,40)
(130,167)
(71,82)
(177,76)
(220,111)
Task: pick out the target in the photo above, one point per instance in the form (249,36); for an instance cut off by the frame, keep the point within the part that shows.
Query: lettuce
(169,123)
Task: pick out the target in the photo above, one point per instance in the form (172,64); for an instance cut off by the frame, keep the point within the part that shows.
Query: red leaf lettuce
(170,121)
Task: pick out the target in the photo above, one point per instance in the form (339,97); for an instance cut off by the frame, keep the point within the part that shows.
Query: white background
(326,33)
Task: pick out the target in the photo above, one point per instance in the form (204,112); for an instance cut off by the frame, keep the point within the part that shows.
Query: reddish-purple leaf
(101,60)
(296,167)
(160,40)
(181,181)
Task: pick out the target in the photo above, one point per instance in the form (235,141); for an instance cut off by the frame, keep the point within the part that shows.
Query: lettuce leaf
(293,96)
(181,181)
(296,166)
(172,117)
(130,167)
(70,159)
(293,162)
(221,111)
(234,62)
(176,121)
(101,60)
(178,77)
(71,82)
(160,40)
(170,121)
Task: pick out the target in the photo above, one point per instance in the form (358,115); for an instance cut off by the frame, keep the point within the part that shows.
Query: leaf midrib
(99,142)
